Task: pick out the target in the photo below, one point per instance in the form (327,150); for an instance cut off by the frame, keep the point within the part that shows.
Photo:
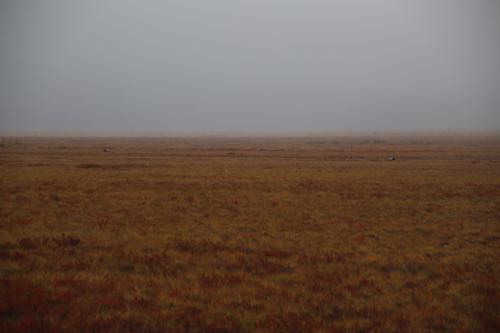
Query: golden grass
(250,234)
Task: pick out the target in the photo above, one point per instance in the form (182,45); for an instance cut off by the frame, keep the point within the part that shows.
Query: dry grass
(250,235)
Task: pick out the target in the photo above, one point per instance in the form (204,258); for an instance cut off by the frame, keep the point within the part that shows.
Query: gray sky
(254,65)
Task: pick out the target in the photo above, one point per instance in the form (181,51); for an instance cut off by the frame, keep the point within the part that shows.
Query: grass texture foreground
(208,234)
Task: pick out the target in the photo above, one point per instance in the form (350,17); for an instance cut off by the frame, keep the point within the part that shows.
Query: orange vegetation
(313,234)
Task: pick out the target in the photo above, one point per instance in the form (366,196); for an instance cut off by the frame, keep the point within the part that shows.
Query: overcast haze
(256,65)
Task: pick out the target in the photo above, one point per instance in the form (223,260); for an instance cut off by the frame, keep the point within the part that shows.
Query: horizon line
(245,133)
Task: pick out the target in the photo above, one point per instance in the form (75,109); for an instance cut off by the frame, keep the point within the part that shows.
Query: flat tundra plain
(213,234)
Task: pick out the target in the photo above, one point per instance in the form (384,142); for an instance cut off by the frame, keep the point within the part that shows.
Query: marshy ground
(312,234)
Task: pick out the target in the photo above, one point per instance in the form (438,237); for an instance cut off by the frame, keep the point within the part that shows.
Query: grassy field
(312,234)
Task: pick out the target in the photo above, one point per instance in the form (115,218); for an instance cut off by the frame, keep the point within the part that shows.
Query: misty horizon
(176,67)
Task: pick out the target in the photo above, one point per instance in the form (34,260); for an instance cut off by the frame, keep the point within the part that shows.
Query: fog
(239,66)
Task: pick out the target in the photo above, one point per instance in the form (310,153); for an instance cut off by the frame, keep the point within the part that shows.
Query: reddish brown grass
(250,235)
